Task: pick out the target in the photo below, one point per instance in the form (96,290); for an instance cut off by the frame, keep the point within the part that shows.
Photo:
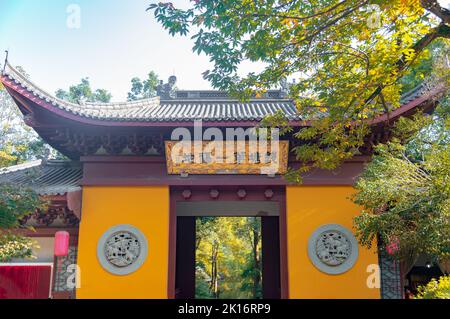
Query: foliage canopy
(16,202)
(405,190)
(143,89)
(18,142)
(435,289)
(347,57)
(83,92)
(228,257)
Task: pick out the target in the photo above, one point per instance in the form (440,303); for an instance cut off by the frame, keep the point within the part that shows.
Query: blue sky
(117,40)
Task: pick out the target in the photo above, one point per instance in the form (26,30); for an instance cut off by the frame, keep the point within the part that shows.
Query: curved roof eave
(157,113)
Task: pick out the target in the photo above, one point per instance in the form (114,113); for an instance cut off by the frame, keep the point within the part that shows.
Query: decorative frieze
(227,193)
(109,144)
(52,217)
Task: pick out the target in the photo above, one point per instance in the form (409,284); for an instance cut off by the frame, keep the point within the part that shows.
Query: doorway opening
(227,255)
(228,258)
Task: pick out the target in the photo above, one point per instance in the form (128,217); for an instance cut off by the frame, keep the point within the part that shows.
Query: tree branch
(441,31)
(296,17)
(434,7)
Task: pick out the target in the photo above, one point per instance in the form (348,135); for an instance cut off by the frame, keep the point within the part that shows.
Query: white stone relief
(122,249)
(333,249)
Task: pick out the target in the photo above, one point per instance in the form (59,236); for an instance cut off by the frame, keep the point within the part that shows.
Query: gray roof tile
(210,108)
(206,105)
(46,178)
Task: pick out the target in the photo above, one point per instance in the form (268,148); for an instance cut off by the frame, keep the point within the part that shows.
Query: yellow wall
(146,208)
(309,207)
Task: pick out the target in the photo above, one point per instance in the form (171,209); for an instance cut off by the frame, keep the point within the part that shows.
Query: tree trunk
(434,7)
(213,287)
(256,261)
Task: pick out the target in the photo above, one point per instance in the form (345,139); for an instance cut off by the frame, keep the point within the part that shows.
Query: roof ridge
(44,177)
(137,103)
(20,167)
(29,85)
(183,108)
(62,163)
(252,100)
(9,71)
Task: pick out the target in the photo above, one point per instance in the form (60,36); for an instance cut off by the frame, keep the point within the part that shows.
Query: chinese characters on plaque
(211,157)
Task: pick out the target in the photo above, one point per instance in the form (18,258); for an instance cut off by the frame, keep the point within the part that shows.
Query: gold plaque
(214,157)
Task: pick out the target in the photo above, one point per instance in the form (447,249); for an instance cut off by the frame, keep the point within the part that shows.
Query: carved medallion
(333,249)
(122,249)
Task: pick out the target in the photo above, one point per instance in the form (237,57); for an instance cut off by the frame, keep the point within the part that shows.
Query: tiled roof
(188,106)
(415,93)
(19,167)
(52,177)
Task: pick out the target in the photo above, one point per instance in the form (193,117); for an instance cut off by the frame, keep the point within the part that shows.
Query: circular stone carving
(333,249)
(122,249)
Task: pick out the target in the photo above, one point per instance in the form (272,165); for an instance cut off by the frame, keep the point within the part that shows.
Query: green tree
(438,50)
(405,194)
(250,229)
(435,289)
(347,57)
(83,92)
(143,89)
(16,202)
(405,190)
(228,257)
(18,142)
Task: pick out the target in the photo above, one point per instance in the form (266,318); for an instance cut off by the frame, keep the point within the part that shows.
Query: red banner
(25,281)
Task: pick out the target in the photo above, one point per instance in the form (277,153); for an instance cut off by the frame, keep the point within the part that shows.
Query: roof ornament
(167,90)
(285,86)
(82,101)
(6,61)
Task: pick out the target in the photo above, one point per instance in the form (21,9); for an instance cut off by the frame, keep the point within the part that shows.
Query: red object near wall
(61,247)
(25,281)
